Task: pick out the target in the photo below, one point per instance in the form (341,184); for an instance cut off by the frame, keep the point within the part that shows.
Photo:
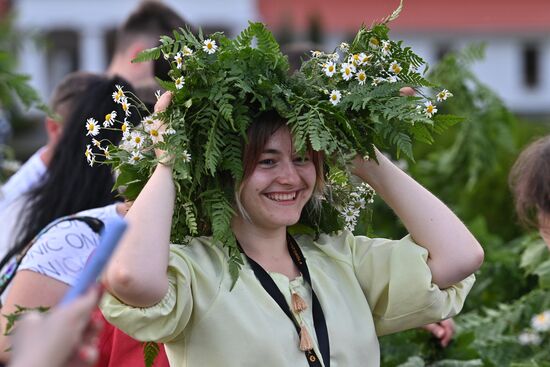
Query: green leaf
(150,353)
(147,55)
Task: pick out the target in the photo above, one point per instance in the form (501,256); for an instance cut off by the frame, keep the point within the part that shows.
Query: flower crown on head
(342,103)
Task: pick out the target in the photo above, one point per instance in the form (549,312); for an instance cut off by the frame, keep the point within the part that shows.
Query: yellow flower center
(430,109)
(123,128)
(125,107)
(331,68)
(209,46)
(334,97)
(108,117)
(362,76)
(541,318)
(155,133)
(374,41)
(396,68)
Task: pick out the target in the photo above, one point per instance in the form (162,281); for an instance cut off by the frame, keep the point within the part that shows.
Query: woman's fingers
(407,91)
(163,102)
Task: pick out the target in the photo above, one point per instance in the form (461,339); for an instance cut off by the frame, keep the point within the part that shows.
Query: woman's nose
(288,174)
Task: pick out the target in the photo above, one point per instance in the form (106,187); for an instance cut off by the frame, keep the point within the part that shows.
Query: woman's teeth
(282,197)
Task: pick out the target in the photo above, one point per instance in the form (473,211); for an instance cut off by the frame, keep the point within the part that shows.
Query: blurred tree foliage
(467,168)
(15,91)
(13,86)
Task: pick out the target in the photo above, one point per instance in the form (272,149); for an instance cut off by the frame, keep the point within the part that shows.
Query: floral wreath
(342,103)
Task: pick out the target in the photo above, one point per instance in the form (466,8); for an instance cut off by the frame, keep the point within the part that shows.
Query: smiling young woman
(326,299)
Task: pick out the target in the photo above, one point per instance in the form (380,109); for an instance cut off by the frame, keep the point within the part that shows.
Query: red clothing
(117,349)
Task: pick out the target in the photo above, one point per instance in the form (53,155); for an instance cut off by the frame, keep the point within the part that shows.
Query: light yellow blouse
(366,287)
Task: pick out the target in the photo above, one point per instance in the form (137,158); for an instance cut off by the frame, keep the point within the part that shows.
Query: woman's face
(280,185)
(544,228)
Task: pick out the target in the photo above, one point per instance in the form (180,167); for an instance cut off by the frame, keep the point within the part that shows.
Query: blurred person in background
(142,30)
(530,185)
(65,337)
(70,185)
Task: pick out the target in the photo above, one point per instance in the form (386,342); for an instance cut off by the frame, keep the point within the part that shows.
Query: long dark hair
(70,185)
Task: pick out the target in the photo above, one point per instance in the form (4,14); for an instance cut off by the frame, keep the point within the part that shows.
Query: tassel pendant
(298,303)
(305,340)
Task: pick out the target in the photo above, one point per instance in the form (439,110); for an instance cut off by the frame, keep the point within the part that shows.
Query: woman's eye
(301,159)
(267,162)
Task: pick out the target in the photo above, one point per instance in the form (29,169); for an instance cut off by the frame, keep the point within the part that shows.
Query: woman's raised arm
(137,272)
(454,253)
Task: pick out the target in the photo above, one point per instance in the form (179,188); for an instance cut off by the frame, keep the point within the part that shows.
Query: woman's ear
(53,130)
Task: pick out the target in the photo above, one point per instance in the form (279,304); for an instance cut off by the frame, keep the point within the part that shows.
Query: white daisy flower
(365,58)
(91,161)
(179,60)
(386,48)
(118,95)
(96,142)
(90,156)
(392,79)
(92,126)
(361,77)
(374,43)
(147,121)
(187,51)
(344,46)
(106,152)
(135,157)
(170,131)
(395,68)
(347,70)
(329,69)
(126,144)
(126,107)
(355,60)
(125,127)
(429,109)
(137,139)
(88,153)
(377,80)
(350,214)
(155,135)
(529,338)
(334,57)
(316,54)
(335,97)
(179,82)
(541,322)
(109,119)
(443,95)
(209,46)
(186,157)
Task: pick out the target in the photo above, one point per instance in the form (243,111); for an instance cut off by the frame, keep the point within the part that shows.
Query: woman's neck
(268,247)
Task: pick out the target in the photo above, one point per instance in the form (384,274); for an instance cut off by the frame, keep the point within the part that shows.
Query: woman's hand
(66,336)
(161,105)
(443,330)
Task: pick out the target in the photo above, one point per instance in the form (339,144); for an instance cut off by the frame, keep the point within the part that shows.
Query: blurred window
(531,65)
(442,49)
(62,54)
